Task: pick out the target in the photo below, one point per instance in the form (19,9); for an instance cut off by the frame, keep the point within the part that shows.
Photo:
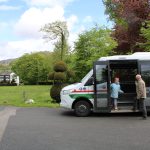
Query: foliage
(128,16)
(60,77)
(58,50)
(5,68)
(113,9)
(51,76)
(32,68)
(129,11)
(70,76)
(57,31)
(55,92)
(60,67)
(90,46)
(145,30)
(70,73)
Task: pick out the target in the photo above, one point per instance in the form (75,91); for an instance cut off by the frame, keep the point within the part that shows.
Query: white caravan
(93,92)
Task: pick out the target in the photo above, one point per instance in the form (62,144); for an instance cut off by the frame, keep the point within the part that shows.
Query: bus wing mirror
(90,81)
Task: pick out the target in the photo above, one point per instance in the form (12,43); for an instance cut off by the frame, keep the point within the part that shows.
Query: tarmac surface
(59,129)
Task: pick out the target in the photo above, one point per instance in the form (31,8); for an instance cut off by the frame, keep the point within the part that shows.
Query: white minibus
(92,94)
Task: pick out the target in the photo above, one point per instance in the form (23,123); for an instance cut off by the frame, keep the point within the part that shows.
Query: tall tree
(128,16)
(146,34)
(57,31)
(90,46)
(57,52)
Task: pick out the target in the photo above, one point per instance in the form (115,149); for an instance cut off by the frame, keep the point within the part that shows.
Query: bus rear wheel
(82,109)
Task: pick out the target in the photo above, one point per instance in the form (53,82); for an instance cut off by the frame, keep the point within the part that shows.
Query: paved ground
(57,129)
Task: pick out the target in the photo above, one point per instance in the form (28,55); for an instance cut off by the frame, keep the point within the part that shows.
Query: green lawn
(15,95)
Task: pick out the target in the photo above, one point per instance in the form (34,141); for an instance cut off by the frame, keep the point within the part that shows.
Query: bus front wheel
(82,109)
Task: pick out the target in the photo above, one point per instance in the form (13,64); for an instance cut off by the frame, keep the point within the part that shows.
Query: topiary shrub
(55,93)
(60,67)
(60,77)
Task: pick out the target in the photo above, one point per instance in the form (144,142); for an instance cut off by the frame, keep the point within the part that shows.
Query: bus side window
(145,72)
(101,75)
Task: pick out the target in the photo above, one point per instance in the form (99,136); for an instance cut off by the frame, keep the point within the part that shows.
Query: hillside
(6,62)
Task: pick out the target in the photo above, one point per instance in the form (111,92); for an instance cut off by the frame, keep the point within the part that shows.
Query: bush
(59,76)
(60,67)
(55,92)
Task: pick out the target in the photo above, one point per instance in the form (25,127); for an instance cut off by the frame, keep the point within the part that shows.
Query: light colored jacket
(140,89)
(115,90)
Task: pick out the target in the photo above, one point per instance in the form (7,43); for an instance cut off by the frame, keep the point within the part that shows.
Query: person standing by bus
(115,90)
(141,94)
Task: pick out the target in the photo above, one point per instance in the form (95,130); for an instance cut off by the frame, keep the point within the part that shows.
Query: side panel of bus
(126,70)
(145,72)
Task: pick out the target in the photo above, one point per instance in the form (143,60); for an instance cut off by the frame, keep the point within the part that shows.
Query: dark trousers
(140,105)
(136,104)
(143,107)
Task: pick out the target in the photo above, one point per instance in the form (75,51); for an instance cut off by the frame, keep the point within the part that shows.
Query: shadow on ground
(69,113)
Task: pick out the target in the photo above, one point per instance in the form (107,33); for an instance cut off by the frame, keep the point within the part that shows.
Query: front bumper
(66,101)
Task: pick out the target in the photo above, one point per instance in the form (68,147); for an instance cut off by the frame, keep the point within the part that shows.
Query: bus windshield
(87,76)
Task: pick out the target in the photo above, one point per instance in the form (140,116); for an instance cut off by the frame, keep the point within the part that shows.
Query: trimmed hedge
(55,92)
(60,67)
(59,76)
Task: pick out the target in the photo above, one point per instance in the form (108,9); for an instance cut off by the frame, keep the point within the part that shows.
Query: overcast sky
(21,20)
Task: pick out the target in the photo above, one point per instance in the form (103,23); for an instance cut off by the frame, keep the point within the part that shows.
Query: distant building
(8,78)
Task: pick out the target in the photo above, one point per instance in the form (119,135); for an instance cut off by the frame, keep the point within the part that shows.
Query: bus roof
(137,56)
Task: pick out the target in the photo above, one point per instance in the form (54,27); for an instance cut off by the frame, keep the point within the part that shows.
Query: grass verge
(16,96)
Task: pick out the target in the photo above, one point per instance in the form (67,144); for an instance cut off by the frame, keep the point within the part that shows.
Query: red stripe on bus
(86,91)
(83,91)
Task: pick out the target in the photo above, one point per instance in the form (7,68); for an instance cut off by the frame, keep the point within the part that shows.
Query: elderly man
(141,94)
